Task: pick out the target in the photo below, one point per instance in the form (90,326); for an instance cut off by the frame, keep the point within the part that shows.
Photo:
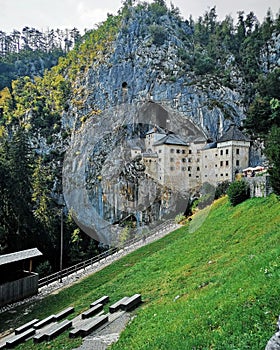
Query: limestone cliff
(141,78)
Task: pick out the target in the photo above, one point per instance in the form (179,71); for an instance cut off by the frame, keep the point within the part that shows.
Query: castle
(187,164)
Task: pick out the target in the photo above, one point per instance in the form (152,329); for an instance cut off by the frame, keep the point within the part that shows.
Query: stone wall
(259,186)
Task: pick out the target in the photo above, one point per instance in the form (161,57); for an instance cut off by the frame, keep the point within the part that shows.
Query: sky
(85,14)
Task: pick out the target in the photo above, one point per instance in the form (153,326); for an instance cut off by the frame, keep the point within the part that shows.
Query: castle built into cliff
(187,164)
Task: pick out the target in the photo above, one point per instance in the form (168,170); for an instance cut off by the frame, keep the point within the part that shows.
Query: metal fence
(107,255)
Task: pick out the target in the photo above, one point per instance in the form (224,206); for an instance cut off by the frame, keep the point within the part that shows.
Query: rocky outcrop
(274,341)
(145,63)
(140,79)
(105,188)
(270,54)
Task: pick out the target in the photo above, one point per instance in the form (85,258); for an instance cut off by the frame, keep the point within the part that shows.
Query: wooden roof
(19,256)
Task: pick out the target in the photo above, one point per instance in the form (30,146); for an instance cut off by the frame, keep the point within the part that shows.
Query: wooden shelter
(17,281)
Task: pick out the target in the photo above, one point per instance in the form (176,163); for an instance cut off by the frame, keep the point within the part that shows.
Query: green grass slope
(211,285)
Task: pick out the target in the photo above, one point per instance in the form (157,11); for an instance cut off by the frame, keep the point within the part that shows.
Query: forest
(37,85)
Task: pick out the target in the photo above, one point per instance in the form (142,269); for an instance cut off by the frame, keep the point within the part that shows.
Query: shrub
(44,269)
(221,189)
(179,218)
(158,33)
(238,192)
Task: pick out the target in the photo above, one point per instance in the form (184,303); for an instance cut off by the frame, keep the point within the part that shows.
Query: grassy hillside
(211,285)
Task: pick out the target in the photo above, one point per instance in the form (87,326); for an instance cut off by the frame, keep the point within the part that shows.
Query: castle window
(205,175)
(237,162)
(150,160)
(198,168)
(226,162)
(124,85)
(183,151)
(183,168)
(159,159)
(205,166)
(226,151)
(172,168)
(237,150)
(190,151)
(190,160)
(205,155)
(184,160)
(190,175)
(221,163)
(189,168)
(177,151)
(216,165)
(171,159)
(226,174)
(198,160)
(172,150)
(159,151)
(216,155)
(221,152)
(222,174)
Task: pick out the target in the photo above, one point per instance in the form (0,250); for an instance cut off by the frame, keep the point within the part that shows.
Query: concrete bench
(63,313)
(17,339)
(52,331)
(131,303)
(103,300)
(26,326)
(58,329)
(44,322)
(117,305)
(89,326)
(92,311)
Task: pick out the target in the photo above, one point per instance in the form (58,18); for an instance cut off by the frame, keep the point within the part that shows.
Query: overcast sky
(43,14)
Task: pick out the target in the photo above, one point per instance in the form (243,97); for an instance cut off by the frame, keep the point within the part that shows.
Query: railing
(105,256)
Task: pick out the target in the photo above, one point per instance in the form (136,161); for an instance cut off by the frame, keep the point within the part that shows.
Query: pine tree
(272,151)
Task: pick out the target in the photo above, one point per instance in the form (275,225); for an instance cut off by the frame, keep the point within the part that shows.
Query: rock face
(274,341)
(270,54)
(140,79)
(144,64)
(105,187)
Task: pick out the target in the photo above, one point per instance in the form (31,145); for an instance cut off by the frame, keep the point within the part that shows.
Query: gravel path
(102,338)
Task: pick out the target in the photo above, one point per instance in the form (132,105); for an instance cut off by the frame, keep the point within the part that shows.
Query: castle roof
(156,129)
(150,155)
(233,134)
(171,139)
(210,145)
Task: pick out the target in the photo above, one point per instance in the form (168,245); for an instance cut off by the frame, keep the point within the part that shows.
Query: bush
(158,33)
(179,218)
(221,189)
(238,192)
(44,269)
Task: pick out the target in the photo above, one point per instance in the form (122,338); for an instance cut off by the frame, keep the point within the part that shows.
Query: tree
(264,112)
(238,192)
(272,151)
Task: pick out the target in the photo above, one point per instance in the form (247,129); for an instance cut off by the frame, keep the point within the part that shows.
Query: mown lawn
(211,285)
